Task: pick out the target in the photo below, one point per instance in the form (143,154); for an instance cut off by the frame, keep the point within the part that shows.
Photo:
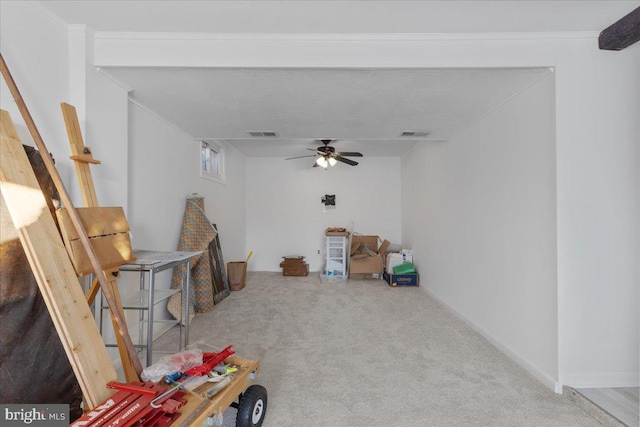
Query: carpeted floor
(362,354)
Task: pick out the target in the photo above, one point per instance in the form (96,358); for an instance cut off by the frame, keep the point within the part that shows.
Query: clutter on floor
(358,257)
(399,269)
(203,383)
(198,234)
(365,261)
(237,272)
(294,265)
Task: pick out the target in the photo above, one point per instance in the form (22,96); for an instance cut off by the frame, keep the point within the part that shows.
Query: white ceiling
(366,110)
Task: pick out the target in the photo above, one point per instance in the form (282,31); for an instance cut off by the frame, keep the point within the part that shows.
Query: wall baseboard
(532,369)
(602,379)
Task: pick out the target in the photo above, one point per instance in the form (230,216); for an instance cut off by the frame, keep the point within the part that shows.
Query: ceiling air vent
(414,133)
(262,134)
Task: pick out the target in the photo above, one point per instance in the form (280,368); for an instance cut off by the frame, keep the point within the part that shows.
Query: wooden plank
(129,370)
(622,33)
(96,221)
(80,154)
(93,292)
(52,268)
(66,201)
(112,251)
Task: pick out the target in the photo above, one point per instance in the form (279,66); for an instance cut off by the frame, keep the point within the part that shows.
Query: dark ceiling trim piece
(622,34)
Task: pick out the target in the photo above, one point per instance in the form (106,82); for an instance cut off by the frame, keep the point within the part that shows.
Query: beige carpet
(362,354)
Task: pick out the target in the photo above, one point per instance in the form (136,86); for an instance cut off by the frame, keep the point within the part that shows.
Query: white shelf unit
(336,261)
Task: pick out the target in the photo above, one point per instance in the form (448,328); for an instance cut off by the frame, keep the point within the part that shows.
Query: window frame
(218,148)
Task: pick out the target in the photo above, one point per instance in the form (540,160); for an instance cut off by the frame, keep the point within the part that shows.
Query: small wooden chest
(294,265)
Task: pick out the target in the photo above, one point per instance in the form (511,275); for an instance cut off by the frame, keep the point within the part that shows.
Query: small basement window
(212,161)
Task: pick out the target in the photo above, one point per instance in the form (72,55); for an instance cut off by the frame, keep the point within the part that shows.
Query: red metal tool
(131,405)
(211,360)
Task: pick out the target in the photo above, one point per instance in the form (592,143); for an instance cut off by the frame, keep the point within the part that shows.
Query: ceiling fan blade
(299,157)
(349,154)
(344,160)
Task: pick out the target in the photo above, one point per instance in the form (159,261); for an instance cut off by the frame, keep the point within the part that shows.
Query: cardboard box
(366,260)
(366,265)
(394,280)
(333,231)
(360,276)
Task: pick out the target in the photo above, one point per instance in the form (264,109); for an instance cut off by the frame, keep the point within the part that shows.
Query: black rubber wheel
(252,407)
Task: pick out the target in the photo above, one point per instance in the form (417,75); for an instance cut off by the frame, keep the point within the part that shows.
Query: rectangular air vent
(414,133)
(262,134)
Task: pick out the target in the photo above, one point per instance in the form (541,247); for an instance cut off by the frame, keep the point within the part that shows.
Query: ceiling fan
(328,156)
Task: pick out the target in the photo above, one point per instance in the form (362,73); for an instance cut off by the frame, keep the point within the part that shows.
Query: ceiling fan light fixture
(322,162)
(332,161)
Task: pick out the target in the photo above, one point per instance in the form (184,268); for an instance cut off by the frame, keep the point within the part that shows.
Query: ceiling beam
(621,34)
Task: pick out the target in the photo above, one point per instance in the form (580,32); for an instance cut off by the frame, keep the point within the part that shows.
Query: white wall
(106,132)
(480,213)
(597,129)
(34,46)
(598,216)
(285,215)
(163,171)
(52,64)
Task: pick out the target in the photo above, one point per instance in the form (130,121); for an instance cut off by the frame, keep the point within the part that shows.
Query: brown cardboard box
(333,231)
(366,265)
(365,261)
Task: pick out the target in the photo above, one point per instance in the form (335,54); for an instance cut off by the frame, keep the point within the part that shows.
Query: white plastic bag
(168,365)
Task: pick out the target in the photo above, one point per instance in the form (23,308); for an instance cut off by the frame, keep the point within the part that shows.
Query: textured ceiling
(368,109)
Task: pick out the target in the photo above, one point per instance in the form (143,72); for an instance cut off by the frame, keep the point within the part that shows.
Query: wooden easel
(53,271)
(109,222)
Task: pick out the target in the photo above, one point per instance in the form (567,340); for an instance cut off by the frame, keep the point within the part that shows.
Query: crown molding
(400,37)
(158,117)
(37,5)
(114,79)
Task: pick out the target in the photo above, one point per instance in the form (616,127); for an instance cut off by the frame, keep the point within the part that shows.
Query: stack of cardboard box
(365,261)
(398,261)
